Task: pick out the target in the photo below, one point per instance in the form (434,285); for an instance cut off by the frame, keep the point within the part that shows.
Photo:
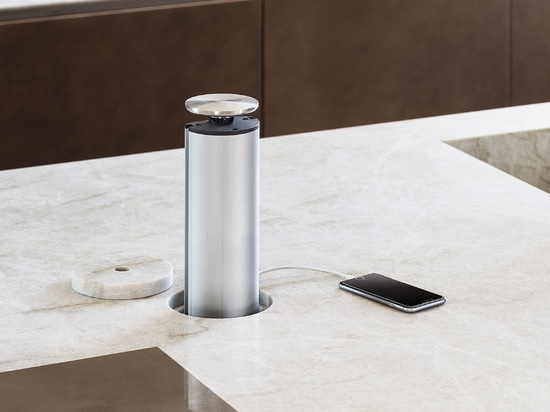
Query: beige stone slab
(390,198)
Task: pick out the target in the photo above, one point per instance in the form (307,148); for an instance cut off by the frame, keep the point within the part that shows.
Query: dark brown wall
(531,51)
(336,63)
(100,85)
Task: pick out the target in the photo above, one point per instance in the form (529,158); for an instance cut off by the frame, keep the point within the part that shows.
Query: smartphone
(391,292)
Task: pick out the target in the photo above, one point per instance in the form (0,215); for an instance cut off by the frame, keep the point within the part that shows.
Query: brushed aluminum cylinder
(222,218)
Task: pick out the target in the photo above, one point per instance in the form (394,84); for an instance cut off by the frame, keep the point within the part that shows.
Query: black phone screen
(390,289)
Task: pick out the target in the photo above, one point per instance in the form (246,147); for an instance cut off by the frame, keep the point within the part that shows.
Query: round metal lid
(221,104)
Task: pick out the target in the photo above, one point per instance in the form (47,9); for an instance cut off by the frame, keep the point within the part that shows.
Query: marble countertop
(392,198)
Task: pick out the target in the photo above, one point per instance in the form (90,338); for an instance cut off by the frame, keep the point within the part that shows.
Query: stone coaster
(122,277)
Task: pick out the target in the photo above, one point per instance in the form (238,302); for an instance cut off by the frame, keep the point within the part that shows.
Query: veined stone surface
(390,198)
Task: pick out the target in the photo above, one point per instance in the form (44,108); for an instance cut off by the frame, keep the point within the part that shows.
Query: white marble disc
(122,277)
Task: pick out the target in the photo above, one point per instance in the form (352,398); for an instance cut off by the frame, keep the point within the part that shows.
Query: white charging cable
(331,272)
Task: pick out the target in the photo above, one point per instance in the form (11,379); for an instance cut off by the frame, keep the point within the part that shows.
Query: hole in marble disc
(122,269)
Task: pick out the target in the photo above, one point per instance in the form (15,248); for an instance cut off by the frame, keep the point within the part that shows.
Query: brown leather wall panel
(104,84)
(531,51)
(336,63)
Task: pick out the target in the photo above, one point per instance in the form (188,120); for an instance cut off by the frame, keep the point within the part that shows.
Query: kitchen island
(393,198)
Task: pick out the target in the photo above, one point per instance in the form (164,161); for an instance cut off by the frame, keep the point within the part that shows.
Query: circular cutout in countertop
(122,277)
(176,302)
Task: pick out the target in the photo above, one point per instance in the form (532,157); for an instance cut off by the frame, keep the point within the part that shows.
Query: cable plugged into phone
(379,288)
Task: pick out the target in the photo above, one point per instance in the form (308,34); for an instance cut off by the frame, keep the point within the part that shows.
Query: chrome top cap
(221,105)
